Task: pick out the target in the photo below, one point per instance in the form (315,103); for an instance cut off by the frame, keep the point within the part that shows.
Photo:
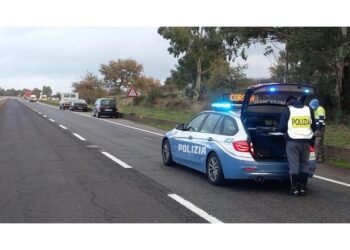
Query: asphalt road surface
(52,169)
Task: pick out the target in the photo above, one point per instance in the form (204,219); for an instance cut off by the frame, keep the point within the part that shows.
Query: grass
(339,163)
(158,113)
(337,135)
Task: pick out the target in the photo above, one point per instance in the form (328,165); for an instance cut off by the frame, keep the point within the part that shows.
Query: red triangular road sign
(132,92)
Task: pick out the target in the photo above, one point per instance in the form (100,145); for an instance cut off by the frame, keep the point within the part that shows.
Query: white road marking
(62,126)
(194,208)
(331,180)
(115,123)
(80,137)
(51,120)
(154,133)
(44,115)
(39,113)
(115,159)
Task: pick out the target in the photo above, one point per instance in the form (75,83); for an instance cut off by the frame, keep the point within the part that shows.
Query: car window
(210,123)
(229,126)
(73,95)
(108,102)
(218,126)
(196,122)
(66,95)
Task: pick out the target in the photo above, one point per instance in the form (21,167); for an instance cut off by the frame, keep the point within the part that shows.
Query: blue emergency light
(307,91)
(222,105)
(272,89)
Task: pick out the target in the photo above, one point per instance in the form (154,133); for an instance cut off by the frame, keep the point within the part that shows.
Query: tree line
(46,90)
(315,55)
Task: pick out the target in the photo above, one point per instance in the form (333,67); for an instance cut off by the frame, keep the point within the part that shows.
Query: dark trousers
(298,157)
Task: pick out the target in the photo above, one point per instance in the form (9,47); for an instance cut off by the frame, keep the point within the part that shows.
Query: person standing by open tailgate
(298,123)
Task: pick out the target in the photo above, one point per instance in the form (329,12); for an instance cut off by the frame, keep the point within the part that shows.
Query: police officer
(298,123)
(320,117)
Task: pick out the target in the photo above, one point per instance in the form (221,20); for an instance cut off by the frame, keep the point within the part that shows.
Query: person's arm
(283,125)
(313,120)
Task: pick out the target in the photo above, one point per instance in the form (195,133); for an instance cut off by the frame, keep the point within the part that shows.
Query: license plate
(108,109)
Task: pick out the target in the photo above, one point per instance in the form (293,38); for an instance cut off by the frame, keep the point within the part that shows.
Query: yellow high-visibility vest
(320,116)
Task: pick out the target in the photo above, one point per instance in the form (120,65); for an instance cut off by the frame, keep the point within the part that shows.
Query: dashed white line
(194,209)
(331,180)
(115,123)
(44,115)
(39,113)
(80,137)
(51,120)
(115,159)
(62,126)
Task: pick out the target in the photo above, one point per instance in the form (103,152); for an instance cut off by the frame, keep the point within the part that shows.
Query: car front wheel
(166,153)
(214,170)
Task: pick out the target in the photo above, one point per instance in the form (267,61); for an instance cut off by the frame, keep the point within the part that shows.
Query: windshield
(110,102)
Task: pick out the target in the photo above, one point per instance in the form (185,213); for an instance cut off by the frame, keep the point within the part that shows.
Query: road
(48,174)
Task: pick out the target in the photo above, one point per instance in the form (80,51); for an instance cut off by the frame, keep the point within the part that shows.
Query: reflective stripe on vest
(320,116)
(299,123)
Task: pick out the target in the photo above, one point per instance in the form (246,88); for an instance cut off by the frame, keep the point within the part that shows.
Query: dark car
(78,104)
(105,107)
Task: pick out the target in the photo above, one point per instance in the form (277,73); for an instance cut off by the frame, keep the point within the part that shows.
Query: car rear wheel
(166,153)
(214,170)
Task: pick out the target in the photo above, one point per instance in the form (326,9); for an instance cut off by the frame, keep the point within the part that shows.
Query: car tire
(214,170)
(166,153)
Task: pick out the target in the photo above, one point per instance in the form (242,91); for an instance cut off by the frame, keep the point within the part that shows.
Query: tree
(90,88)
(120,73)
(47,90)
(199,45)
(224,77)
(36,92)
(146,84)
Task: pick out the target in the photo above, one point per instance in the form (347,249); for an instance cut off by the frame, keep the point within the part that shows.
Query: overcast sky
(33,57)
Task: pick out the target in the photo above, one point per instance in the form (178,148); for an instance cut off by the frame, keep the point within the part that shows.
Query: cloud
(33,57)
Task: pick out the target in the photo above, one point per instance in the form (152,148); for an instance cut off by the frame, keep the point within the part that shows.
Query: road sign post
(132,94)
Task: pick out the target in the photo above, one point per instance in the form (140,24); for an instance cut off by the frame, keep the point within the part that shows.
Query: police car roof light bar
(222,105)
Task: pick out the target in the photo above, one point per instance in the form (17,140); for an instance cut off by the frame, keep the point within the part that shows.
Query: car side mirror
(180,126)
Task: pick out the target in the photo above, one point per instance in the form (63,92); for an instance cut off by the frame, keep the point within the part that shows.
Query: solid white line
(115,159)
(194,208)
(62,126)
(123,125)
(115,123)
(51,120)
(80,137)
(331,180)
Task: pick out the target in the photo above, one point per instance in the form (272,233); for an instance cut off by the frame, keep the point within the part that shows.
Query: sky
(33,57)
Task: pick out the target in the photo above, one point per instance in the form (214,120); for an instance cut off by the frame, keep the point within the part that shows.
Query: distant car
(79,104)
(105,107)
(230,143)
(32,98)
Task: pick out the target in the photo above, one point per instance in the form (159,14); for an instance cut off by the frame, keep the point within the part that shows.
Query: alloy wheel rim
(213,168)
(165,152)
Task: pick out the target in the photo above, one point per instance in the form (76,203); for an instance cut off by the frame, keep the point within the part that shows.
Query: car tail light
(244,146)
(241,146)
(312,149)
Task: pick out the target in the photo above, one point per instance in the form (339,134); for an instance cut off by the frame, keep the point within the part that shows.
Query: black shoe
(294,193)
(303,182)
(294,190)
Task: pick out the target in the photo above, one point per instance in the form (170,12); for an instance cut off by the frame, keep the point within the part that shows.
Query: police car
(238,143)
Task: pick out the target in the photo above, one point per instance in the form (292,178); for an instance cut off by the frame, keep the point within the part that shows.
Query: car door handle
(210,139)
(190,137)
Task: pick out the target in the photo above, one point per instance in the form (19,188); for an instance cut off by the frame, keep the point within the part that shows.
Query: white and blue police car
(238,143)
